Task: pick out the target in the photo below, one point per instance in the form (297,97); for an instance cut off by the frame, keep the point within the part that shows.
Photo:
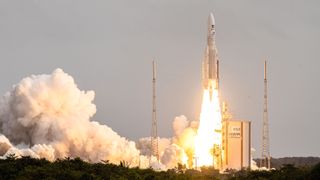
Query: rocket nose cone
(211,19)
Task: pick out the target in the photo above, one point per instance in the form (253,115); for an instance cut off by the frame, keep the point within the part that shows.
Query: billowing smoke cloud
(179,148)
(47,116)
(144,145)
(5,145)
(173,155)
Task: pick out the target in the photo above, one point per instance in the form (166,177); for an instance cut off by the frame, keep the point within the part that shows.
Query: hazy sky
(108,46)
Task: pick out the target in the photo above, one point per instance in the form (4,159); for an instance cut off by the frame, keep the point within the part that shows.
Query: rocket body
(210,64)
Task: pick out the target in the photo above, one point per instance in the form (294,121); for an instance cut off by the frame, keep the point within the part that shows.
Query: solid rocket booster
(210,64)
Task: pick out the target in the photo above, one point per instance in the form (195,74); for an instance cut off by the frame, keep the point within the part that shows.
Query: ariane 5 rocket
(210,64)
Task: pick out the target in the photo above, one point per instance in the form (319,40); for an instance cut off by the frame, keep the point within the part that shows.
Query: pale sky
(108,46)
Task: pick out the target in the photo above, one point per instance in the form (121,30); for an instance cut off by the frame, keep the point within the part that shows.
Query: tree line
(75,168)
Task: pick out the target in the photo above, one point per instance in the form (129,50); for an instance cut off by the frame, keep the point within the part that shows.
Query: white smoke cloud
(5,145)
(173,155)
(47,116)
(178,149)
(254,165)
(179,124)
(184,134)
(144,145)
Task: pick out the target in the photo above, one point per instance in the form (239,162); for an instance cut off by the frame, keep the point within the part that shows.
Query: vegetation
(30,168)
(296,161)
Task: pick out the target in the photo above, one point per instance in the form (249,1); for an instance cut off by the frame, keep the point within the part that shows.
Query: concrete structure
(236,143)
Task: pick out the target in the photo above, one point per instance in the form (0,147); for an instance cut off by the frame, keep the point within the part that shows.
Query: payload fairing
(210,64)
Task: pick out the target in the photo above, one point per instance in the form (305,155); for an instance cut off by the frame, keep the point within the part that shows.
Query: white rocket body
(210,64)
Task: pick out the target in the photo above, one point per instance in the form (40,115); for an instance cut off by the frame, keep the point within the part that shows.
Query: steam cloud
(47,116)
(179,148)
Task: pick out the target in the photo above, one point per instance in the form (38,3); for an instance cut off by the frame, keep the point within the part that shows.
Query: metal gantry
(154,131)
(265,151)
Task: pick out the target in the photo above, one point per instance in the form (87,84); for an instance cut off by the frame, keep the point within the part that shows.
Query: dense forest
(30,168)
(296,161)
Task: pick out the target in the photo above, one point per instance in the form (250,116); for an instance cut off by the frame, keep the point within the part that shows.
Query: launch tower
(154,131)
(265,152)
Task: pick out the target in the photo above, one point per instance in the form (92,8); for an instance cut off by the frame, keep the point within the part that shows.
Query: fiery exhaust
(209,138)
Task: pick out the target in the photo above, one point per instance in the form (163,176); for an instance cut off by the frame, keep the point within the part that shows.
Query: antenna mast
(154,133)
(265,151)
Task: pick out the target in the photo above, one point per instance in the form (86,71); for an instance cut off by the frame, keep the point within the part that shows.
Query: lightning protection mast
(265,151)
(154,131)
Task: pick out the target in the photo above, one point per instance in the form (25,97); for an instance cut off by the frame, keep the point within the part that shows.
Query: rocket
(210,63)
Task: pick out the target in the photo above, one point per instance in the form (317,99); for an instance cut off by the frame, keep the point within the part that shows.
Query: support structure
(265,151)
(154,131)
